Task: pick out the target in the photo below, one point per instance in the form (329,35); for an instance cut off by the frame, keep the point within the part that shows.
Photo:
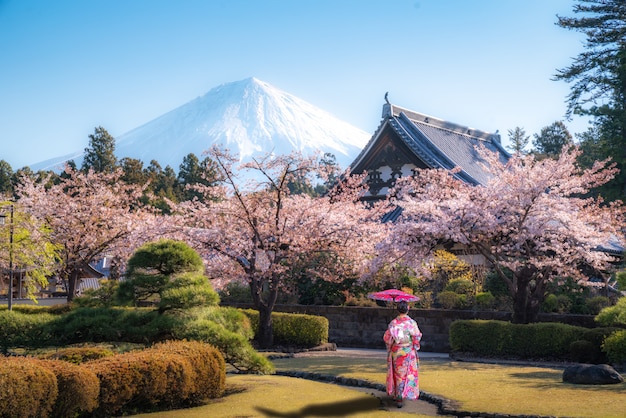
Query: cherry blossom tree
(89,215)
(257,231)
(532,222)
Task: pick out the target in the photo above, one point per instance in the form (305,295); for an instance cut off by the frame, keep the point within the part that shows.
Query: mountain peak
(250,117)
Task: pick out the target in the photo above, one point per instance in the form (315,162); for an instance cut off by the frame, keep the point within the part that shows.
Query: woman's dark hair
(403,307)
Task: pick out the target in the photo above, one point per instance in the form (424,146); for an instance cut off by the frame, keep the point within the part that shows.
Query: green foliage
(597,303)
(615,347)
(613,315)
(168,273)
(78,355)
(186,291)
(485,300)
(236,292)
(460,285)
(503,339)
(100,155)
(451,300)
(28,389)
(78,388)
(104,296)
(109,324)
(294,329)
(24,330)
(166,257)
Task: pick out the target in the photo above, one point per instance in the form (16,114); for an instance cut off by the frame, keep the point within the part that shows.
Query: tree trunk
(71,285)
(525,302)
(264,302)
(265,337)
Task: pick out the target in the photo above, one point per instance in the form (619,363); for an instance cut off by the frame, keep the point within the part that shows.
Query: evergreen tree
(100,154)
(133,171)
(551,140)
(519,140)
(6,173)
(598,77)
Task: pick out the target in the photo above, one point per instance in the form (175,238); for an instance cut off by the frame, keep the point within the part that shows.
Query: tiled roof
(438,143)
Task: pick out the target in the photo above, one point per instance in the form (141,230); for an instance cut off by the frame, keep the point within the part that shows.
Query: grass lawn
(473,386)
(487,387)
(279,396)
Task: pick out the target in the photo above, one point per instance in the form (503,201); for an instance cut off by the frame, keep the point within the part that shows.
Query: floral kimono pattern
(402,339)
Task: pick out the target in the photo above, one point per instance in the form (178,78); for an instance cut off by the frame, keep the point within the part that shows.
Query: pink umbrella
(393,295)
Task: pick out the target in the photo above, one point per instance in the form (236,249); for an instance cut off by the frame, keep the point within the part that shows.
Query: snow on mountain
(249,117)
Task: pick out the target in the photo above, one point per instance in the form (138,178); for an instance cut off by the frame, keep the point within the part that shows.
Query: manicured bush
(613,315)
(24,330)
(452,300)
(236,348)
(26,388)
(78,355)
(485,300)
(78,388)
(207,363)
(503,339)
(615,347)
(168,375)
(133,325)
(294,329)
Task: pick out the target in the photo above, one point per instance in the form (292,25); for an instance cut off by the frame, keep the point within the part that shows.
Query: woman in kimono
(402,339)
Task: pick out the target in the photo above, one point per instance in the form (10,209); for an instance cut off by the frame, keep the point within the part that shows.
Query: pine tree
(551,140)
(598,77)
(519,140)
(100,154)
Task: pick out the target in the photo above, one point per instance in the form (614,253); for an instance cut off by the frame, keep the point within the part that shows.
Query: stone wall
(364,327)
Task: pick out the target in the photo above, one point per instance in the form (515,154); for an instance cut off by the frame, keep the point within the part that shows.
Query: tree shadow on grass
(332,409)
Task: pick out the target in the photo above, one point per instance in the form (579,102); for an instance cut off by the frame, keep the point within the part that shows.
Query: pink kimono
(402,339)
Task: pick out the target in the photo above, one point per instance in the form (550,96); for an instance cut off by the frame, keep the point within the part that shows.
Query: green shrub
(294,329)
(28,389)
(24,330)
(597,303)
(503,339)
(615,347)
(78,355)
(550,303)
(104,324)
(236,348)
(485,300)
(613,315)
(78,388)
(452,300)
(460,286)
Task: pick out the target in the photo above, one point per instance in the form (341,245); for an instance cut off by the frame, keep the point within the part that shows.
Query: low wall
(363,327)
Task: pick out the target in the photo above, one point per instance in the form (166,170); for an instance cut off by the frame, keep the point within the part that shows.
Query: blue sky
(67,66)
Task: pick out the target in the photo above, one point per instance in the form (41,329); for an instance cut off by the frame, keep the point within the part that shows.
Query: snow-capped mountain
(250,117)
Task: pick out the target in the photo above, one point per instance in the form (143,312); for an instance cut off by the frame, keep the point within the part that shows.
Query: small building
(407,140)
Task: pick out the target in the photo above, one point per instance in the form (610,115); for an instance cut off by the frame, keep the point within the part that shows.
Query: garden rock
(591,374)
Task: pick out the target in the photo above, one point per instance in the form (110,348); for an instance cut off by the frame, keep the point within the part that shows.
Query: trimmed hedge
(27,388)
(546,340)
(19,329)
(169,375)
(78,355)
(299,330)
(78,388)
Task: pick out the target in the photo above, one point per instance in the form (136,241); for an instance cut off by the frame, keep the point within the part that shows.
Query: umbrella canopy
(393,295)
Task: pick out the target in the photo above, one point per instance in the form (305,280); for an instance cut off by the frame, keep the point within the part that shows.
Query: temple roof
(437,143)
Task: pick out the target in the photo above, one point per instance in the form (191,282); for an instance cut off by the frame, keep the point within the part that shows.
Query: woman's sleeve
(388,339)
(417,337)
